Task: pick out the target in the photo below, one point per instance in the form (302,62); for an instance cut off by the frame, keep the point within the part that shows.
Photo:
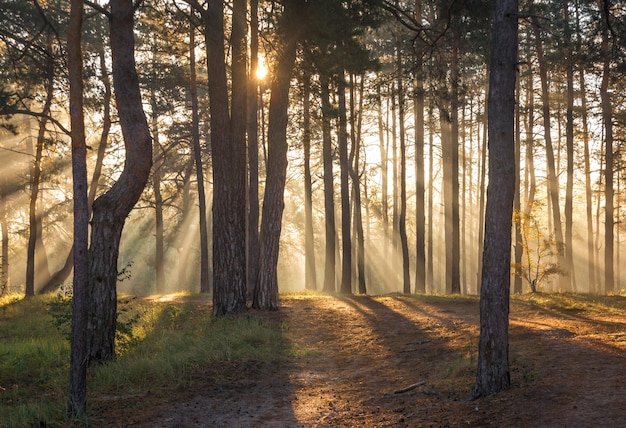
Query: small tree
(538,251)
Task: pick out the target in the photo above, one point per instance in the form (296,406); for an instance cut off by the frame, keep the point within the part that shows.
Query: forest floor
(394,361)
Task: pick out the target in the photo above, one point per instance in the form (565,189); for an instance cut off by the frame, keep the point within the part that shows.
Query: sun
(261,69)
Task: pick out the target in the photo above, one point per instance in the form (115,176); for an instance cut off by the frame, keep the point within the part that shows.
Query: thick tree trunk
(229,162)
(266,294)
(78,352)
(492,373)
(329,194)
(111,209)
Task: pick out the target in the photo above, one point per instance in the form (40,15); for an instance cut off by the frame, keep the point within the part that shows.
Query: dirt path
(353,355)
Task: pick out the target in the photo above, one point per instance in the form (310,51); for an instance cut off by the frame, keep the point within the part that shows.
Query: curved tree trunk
(64,272)
(111,209)
(266,293)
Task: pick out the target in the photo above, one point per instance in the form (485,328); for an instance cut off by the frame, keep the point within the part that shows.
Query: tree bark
(5,277)
(344,167)
(158,198)
(553,183)
(37,260)
(205,280)
(266,294)
(310,277)
(229,174)
(253,153)
(78,351)
(406,277)
(492,374)
(591,253)
(569,138)
(418,113)
(64,272)
(329,198)
(355,156)
(607,118)
(111,209)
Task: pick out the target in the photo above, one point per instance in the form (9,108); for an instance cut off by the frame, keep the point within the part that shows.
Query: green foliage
(538,263)
(162,345)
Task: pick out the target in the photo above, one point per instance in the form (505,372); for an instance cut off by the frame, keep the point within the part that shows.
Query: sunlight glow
(261,69)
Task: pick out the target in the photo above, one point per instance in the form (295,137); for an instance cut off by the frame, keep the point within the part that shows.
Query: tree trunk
(569,131)
(229,174)
(253,153)
(607,118)
(78,351)
(492,373)
(37,261)
(266,294)
(355,157)
(310,277)
(454,158)
(64,272)
(553,183)
(481,199)
(5,278)
(406,277)
(384,161)
(591,254)
(431,175)
(517,203)
(329,198)
(205,280)
(418,113)
(111,209)
(158,200)
(344,167)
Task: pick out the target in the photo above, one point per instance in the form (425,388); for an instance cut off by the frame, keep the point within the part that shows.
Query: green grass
(165,346)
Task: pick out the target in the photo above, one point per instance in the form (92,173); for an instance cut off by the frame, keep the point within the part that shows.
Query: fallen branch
(409,388)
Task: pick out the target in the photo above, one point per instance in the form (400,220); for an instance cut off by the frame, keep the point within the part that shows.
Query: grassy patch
(575,303)
(164,345)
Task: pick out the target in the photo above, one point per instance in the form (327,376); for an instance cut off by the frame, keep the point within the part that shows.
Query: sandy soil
(356,356)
